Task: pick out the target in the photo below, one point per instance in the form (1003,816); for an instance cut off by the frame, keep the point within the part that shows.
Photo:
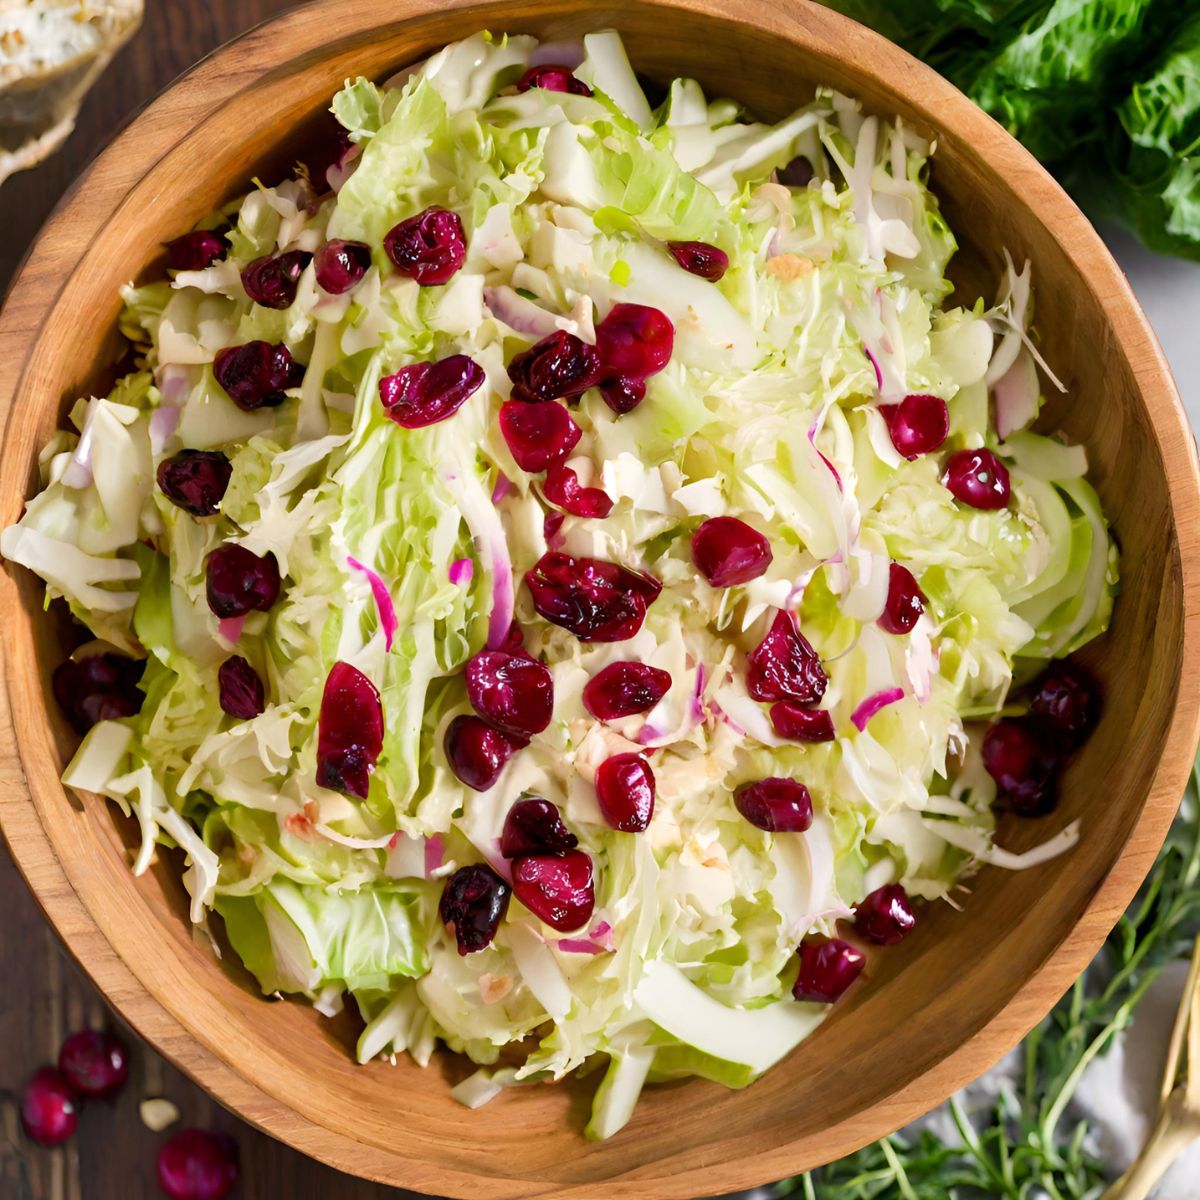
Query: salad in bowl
(563,576)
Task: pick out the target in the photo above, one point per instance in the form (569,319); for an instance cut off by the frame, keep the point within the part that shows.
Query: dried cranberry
(1022,765)
(241,690)
(977,478)
(195,480)
(557,889)
(885,917)
(272,281)
(623,689)
(561,488)
(349,732)
(798,173)
(535,826)
(1065,702)
(93,1063)
(559,366)
(625,789)
(801,724)
(699,258)
(240,582)
(340,265)
(784,666)
(197,1164)
(477,751)
(429,247)
(257,374)
(537,435)
(98,687)
(776,805)
(551,78)
(474,901)
(635,340)
(513,692)
(597,601)
(49,1108)
(551,524)
(196,251)
(828,966)
(727,551)
(623,393)
(425,393)
(905,602)
(918,425)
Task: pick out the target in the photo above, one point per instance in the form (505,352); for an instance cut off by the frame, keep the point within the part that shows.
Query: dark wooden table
(43,995)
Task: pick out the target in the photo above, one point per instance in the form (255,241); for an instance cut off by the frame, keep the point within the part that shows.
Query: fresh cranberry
(776,805)
(195,480)
(429,247)
(474,901)
(93,1063)
(552,78)
(340,265)
(49,1109)
(905,602)
(727,551)
(977,478)
(349,732)
(557,889)
(828,966)
(623,393)
(477,751)
(98,687)
(798,723)
(699,258)
(240,582)
(798,173)
(513,692)
(241,690)
(561,488)
(425,393)
(559,366)
(538,435)
(885,917)
(196,1164)
(257,374)
(535,826)
(623,689)
(784,666)
(1022,765)
(196,251)
(625,789)
(597,601)
(635,340)
(272,281)
(1066,702)
(918,425)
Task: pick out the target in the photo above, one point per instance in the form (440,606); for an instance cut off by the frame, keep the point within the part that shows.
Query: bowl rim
(46,272)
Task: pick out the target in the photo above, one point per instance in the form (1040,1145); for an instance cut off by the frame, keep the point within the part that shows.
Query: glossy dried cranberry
(918,425)
(511,691)
(1065,703)
(340,265)
(196,251)
(597,601)
(624,689)
(241,690)
(429,247)
(257,374)
(1022,765)
(828,966)
(905,601)
(239,581)
(98,687)
(885,917)
(727,551)
(625,790)
(559,366)
(349,732)
(553,78)
(425,393)
(271,281)
(561,488)
(49,1108)
(474,901)
(537,435)
(784,666)
(776,805)
(798,173)
(798,723)
(197,1164)
(977,478)
(535,826)
(195,480)
(477,751)
(623,393)
(701,259)
(93,1063)
(557,889)
(635,340)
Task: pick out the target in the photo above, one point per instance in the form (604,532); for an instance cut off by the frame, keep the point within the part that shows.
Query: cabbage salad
(550,564)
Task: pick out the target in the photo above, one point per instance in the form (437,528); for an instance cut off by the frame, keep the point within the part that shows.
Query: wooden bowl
(939,1010)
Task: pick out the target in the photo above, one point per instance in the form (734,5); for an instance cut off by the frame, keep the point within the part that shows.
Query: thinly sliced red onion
(557,54)
(580,946)
(435,854)
(164,420)
(462,571)
(602,932)
(503,487)
(874,366)
(1016,395)
(345,166)
(649,735)
(230,628)
(383,601)
(862,715)
(812,437)
(722,715)
(502,596)
(699,713)
(78,473)
(518,312)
